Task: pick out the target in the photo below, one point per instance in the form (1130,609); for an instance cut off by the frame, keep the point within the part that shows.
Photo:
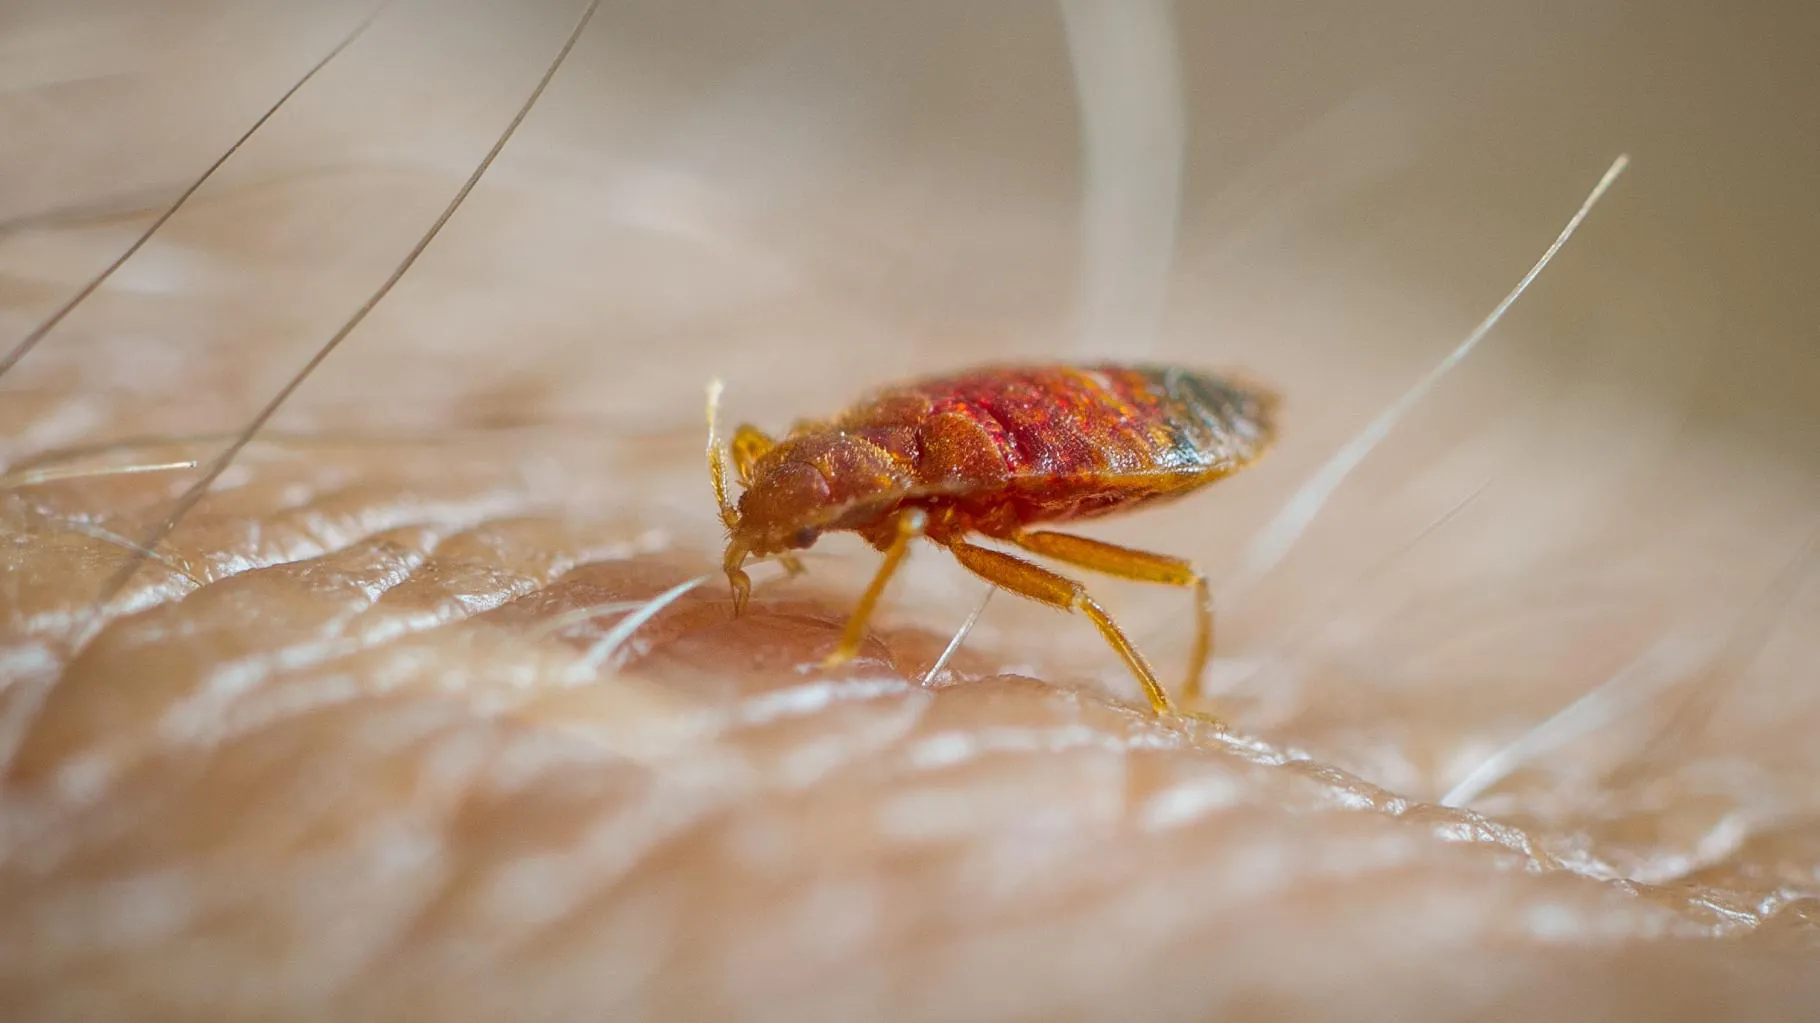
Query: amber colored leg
(910,525)
(1141,566)
(748,445)
(1040,584)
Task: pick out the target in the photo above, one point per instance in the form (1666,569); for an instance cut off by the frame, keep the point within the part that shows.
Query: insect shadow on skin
(991,452)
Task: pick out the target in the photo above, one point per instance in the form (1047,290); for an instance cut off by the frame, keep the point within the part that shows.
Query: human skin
(343,750)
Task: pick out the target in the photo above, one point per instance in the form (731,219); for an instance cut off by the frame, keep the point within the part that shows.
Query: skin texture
(343,748)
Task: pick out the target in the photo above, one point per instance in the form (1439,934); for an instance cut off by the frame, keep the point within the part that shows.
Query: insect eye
(804,537)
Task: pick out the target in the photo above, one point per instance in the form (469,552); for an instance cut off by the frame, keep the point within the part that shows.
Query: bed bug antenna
(729,515)
(717,456)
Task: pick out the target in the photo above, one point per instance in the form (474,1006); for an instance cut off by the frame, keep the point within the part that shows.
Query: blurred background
(809,198)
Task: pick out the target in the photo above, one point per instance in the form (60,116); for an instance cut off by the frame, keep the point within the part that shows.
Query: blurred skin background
(1522,727)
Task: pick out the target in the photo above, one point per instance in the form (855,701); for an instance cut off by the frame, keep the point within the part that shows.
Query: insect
(994,451)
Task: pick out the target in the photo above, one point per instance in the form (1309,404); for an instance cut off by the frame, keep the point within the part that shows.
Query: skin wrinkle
(599,861)
(669,837)
(326,539)
(335,633)
(332,640)
(129,547)
(1479,832)
(369,645)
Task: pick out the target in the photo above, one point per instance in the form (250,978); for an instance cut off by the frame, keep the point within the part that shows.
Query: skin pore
(343,748)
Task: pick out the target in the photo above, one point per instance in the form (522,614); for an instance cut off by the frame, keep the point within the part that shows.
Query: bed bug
(995,451)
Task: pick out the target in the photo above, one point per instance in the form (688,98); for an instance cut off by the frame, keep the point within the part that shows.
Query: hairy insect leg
(749,445)
(1139,566)
(910,526)
(1040,584)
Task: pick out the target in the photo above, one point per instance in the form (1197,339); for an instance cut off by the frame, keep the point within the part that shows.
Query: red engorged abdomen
(1065,421)
(1053,442)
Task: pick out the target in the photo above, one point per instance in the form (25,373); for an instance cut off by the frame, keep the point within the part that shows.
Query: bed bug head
(780,511)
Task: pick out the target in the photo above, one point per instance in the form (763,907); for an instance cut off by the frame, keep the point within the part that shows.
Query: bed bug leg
(1040,584)
(910,525)
(741,584)
(1139,566)
(749,444)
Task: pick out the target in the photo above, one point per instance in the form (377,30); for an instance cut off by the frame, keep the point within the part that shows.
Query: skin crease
(343,750)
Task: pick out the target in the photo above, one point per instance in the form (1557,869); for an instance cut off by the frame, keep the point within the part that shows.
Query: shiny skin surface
(995,451)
